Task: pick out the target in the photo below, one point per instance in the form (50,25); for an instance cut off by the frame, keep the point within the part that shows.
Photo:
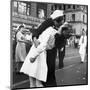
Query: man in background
(65,34)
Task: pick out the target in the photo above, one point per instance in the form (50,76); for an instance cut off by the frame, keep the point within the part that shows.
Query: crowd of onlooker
(26,33)
(73,41)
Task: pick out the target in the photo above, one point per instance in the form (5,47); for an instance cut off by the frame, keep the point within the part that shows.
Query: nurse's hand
(32,60)
(79,46)
(36,42)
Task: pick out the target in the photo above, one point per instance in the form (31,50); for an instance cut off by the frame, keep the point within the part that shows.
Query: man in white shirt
(61,42)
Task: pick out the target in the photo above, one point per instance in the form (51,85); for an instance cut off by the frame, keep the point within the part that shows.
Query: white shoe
(32,86)
(39,84)
(82,61)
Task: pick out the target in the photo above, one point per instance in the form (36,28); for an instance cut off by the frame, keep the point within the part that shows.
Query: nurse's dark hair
(47,23)
(21,26)
(59,19)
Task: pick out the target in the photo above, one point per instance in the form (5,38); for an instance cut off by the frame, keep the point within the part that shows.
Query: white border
(5,43)
(62,1)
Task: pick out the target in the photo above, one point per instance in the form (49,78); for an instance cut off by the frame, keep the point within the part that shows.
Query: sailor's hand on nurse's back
(57,36)
(58,40)
(32,60)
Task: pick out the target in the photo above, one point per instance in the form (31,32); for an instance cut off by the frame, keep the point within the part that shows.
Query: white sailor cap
(57,13)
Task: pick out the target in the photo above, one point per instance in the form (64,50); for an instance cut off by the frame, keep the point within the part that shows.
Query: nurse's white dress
(20,52)
(39,69)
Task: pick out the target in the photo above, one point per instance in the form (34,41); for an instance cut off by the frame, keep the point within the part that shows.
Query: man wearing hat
(61,43)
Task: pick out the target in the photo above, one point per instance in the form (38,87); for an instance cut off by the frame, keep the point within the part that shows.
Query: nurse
(20,52)
(40,61)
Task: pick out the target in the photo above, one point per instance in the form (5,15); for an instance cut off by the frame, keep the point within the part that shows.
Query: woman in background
(20,52)
(83,44)
(28,37)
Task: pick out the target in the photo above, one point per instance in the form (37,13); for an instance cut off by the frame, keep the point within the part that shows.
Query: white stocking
(32,82)
(38,83)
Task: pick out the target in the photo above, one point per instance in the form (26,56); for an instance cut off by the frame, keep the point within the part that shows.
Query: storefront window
(74,31)
(42,10)
(21,8)
(82,7)
(60,7)
(64,18)
(73,6)
(28,9)
(15,5)
(69,6)
(78,6)
(55,7)
(41,13)
(64,7)
(73,17)
(52,8)
(83,18)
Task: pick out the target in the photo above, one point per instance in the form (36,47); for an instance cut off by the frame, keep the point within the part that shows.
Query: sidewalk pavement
(74,74)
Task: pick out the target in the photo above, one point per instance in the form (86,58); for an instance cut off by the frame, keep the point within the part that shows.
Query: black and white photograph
(49,44)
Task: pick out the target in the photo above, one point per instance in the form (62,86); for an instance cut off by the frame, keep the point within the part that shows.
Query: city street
(29,16)
(73,73)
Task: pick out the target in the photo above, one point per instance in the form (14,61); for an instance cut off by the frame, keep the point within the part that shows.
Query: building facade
(34,13)
(76,15)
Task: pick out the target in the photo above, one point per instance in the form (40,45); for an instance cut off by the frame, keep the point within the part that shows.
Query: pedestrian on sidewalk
(29,40)
(76,42)
(82,45)
(20,52)
(65,34)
